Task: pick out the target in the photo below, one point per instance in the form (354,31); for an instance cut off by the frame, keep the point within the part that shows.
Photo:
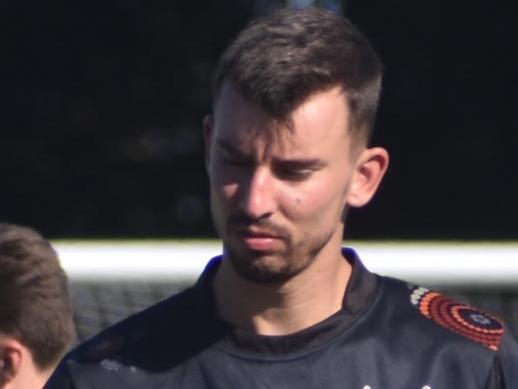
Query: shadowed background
(103,103)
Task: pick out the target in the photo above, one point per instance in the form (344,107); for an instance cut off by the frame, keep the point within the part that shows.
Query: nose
(257,199)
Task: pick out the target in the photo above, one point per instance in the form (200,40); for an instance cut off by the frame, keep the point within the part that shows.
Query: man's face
(278,193)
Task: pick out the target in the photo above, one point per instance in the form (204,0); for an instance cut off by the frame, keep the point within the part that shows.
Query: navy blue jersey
(388,335)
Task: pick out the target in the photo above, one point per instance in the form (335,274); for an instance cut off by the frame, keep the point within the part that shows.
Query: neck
(30,376)
(282,309)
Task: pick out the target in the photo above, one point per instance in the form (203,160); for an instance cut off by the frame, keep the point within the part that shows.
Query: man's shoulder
(145,338)
(112,348)
(443,317)
(128,325)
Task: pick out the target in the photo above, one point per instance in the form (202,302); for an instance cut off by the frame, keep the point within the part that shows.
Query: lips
(260,243)
(259,240)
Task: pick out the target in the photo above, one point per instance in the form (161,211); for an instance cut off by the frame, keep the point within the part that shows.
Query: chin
(263,268)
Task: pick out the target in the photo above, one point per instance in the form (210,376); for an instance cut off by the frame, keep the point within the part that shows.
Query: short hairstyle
(34,301)
(279,60)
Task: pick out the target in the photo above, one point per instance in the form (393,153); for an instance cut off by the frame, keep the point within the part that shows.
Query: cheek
(315,201)
(229,192)
(223,196)
(223,182)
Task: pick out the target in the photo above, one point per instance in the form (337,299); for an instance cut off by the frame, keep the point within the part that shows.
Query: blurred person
(36,326)
(285,305)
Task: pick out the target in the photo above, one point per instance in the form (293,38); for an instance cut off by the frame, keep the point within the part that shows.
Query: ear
(11,355)
(208,129)
(370,168)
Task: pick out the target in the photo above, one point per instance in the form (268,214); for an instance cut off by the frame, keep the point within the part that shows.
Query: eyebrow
(229,147)
(297,163)
(302,164)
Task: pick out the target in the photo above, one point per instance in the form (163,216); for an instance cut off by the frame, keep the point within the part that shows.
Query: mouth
(259,240)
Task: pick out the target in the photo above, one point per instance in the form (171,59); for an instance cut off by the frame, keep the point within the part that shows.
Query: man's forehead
(230,95)
(231,106)
(321,117)
(239,122)
(267,143)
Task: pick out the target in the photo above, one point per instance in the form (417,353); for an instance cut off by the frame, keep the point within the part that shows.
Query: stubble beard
(262,268)
(277,267)
(268,268)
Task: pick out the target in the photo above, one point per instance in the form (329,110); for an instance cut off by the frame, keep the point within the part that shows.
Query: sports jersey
(388,335)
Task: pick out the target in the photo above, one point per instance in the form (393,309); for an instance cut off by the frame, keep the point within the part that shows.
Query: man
(36,327)
(285,306)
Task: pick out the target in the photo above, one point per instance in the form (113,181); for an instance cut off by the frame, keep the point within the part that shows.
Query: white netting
(111,280)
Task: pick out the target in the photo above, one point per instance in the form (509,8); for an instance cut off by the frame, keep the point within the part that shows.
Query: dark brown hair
(34,300)
(279,60)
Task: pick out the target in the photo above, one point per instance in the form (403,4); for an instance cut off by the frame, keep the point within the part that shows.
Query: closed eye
(297,170)
(294,175)
(231,156)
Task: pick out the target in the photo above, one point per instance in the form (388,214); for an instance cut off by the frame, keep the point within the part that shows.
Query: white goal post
(428,263)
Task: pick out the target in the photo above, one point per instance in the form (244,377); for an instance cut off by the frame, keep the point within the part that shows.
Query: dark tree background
(102,104)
